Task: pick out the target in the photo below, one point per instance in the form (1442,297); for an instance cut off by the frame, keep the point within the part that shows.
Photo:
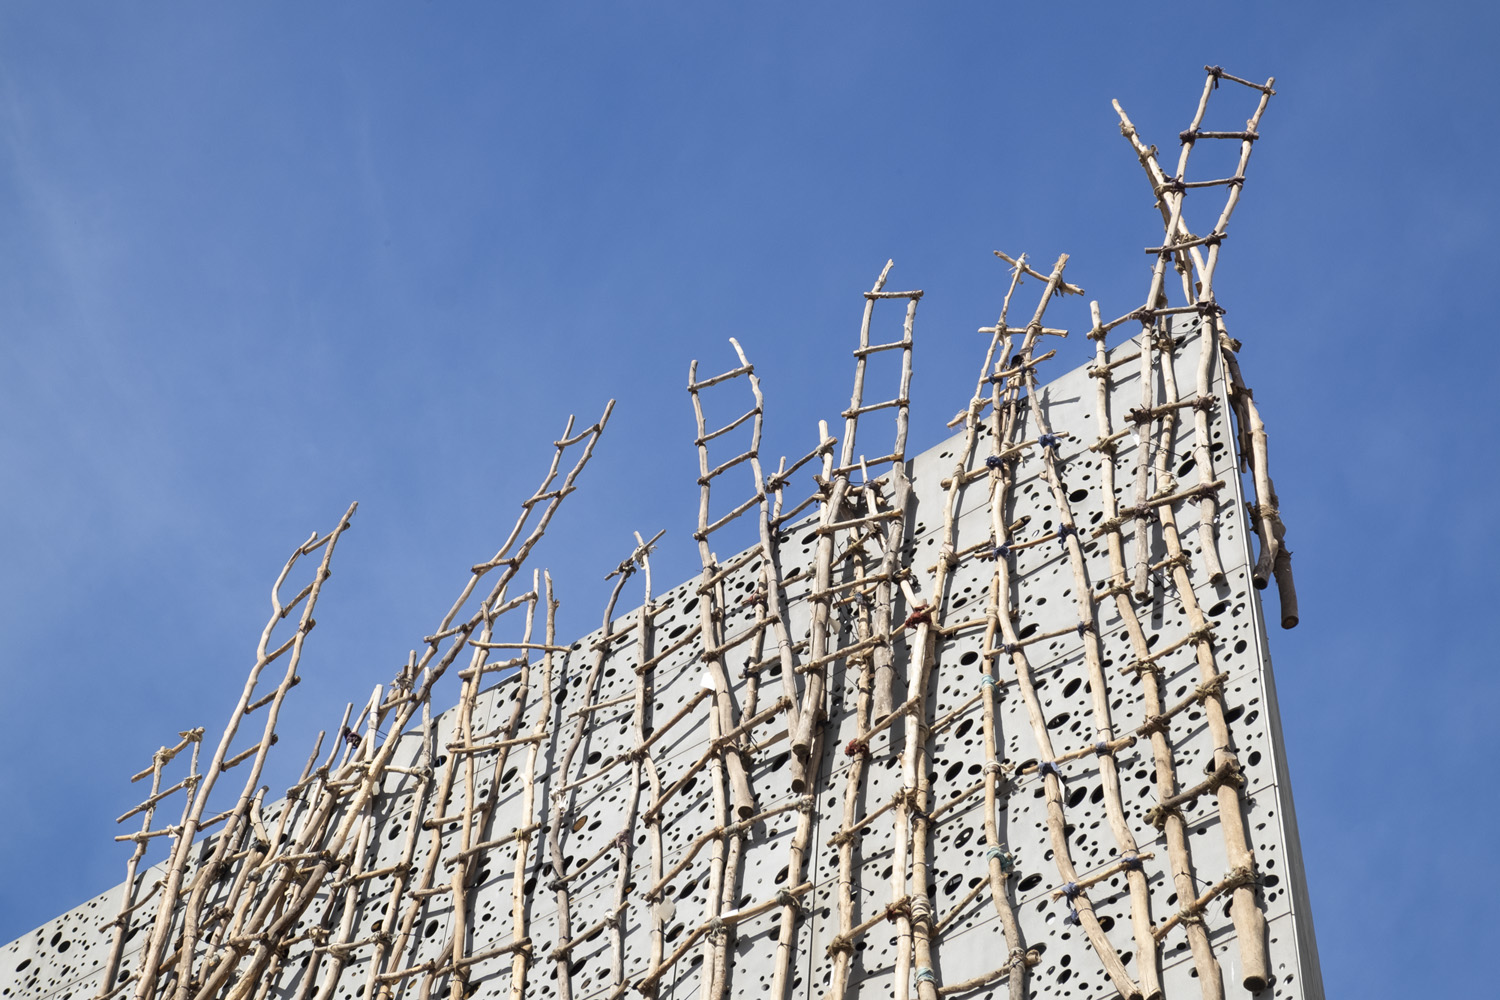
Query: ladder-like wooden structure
(594,818)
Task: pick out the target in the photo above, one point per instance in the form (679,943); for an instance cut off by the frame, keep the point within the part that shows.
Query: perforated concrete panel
(603,819)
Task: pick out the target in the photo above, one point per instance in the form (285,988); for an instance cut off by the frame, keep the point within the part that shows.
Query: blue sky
(257,261)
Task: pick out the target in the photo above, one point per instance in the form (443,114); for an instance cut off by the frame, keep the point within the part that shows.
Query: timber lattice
(994,717)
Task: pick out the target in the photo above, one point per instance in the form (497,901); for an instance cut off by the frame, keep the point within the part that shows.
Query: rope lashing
(1133,862)
(758,596)
(921,907)
(1049,767)
(785,898)
(1007,859)
(1048,440)
(994,462)
(1216,72)
(925,975)
(921,616)
(351,737)
(856,748)
(1063,531)
(1071,891)
(1101,748)
(994,767)
(1002,550)
(1083,628)
(988,680)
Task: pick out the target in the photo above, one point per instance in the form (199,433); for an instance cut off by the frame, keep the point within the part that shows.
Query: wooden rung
(943,722)
(917,294)
(840,654)
(727,571)
(1110,746)
(1211,238)
(1235,879)
(969,985)
(374,873)
(1222,180)
(1147,315)
(860,410)
(1062,286)
(1217,72)
(566,948)
(583,868)
(165,755)
(1030,640)
(732,373)
(686,640)
(702,535)
(240,758)
(263,702)
(493,666)
(539,646)
(1200,635)
(598,705)
(819,595)
(1145,510)
(1106,873)
(969,897)
(715,746)
(776,480)
(645,744)
(190,781)
(460,749)
(861,352)
(1194,136)
(593,430)
(774,660)
(1001,376)
(857,522)
(791,515)
(845,470)
(1141,415)
(1228,772)
(715,473)
(1201,693)
(756,629)
(973,475)
(549,495)
(1047,331)
(436,967)
(647,983)
(654,892)
(165,831)
(1102,371)
(611,639)
(727,427)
